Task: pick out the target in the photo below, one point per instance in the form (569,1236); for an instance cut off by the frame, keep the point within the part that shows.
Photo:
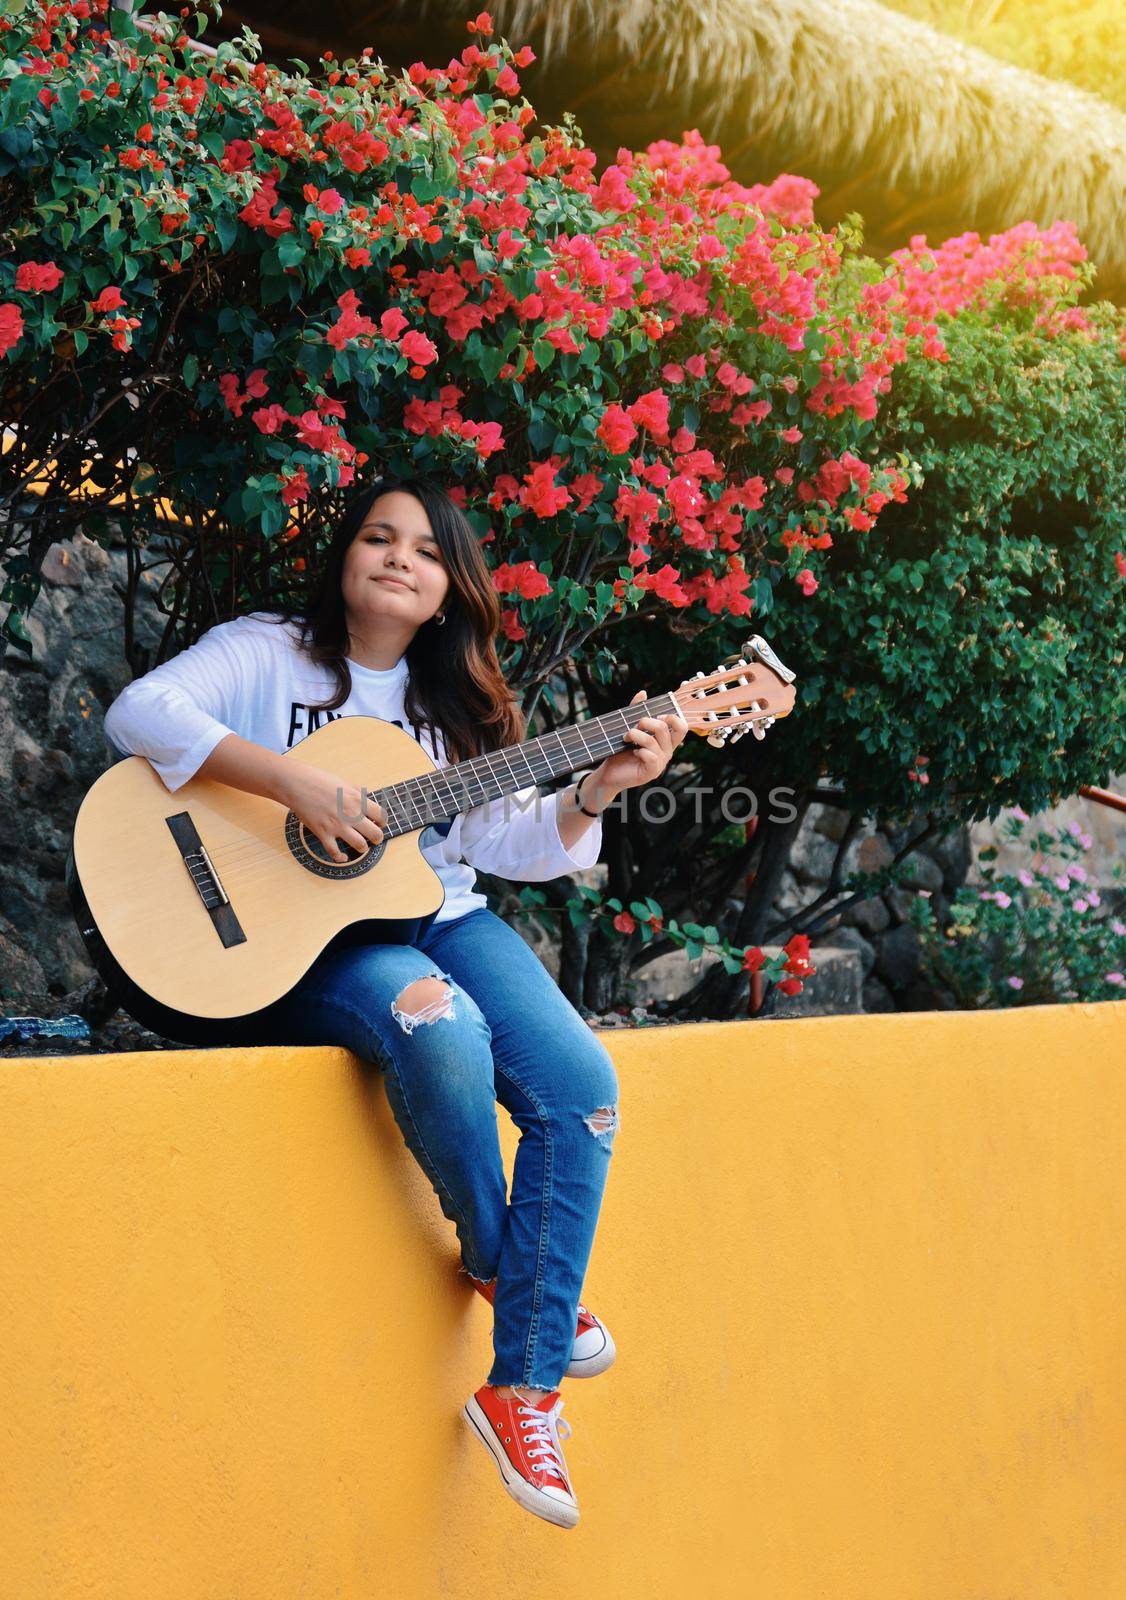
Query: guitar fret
(414,803)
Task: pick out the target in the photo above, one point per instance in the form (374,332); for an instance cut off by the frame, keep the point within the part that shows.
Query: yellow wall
(867,1278)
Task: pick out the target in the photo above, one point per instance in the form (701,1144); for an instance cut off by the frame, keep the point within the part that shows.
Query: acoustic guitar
(214,902)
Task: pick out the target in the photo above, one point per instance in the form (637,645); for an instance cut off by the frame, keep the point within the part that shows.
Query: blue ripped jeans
(503,1031)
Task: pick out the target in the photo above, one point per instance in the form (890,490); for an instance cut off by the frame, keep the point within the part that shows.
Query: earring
(439,619)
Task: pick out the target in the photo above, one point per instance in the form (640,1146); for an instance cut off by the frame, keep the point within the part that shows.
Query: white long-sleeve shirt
(251,677)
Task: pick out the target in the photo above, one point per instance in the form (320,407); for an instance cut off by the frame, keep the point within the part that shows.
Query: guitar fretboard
(435,796)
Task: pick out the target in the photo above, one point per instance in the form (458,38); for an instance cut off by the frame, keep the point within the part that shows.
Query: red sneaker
(524,1442)
(593,1350)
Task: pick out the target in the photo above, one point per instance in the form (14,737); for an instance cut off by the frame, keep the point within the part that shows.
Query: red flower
(357,256)
(36,276)
(268,419)
(392,323)
(541,493)
(790,986)
(229,389)
(616,430)
(624,922)
(510,625)
(110,299)
(237,156)
(524,578)
(296,488)
(418,348)
(753,958)
(651,411)
(330,201)
(11,327)
(1120,563)
(806,582)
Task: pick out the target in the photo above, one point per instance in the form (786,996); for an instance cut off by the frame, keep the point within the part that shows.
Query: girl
(464,1014)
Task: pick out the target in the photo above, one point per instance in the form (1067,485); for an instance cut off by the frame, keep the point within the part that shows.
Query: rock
(812,856)
(830,820)
(669,976)
(853,939)
(790,896)
(871,853)
(20,974)
(953,856)
(877,997)
(897,957)
(870,916)
(901,901)
(61,567)
(924,995)
(924,873)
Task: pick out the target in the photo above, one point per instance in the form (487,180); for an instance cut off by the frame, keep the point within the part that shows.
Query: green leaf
(291,252)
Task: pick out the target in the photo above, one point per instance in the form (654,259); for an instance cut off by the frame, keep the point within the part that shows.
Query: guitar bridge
(208,885)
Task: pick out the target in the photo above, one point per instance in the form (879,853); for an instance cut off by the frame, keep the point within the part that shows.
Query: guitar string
(411,812)
(240,871)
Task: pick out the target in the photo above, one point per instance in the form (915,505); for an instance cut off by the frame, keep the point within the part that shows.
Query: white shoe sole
(591,1366)
(540,1505)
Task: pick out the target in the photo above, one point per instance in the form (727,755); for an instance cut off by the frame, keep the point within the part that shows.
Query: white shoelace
(543,1434)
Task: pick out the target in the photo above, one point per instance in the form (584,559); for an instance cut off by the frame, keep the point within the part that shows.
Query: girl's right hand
(333,810)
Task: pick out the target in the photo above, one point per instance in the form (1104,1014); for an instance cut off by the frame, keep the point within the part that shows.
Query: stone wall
(52,749)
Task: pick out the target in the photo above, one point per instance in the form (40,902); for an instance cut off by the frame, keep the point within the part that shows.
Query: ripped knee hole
(424,1000)
(603,1123)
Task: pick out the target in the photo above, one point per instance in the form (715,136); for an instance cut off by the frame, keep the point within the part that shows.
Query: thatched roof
(918,132)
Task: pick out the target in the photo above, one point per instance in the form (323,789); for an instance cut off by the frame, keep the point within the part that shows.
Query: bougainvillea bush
(240,288)
(671,404)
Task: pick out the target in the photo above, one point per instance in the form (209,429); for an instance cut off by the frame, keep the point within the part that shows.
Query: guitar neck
(435,796)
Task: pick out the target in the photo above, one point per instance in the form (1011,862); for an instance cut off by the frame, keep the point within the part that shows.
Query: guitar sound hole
(316,848)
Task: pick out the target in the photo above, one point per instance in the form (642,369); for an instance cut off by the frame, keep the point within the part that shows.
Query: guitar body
(212,903)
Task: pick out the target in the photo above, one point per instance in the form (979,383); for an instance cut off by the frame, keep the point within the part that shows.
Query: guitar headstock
(750,690)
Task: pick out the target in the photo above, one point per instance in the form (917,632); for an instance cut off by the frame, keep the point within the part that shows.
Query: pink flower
(1014,982)
(806,582)
(1026,877)
(1002,899)
(1115,977)
(330,201)
(1020,814)
(792,435)
(1062,881)
(11,327)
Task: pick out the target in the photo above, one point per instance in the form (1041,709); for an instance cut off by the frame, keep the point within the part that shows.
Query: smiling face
(394,576)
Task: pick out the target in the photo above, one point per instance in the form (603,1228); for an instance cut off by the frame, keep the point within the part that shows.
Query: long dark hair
(456,683)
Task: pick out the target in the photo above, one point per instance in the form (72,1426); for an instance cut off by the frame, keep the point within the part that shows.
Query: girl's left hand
(653,740)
